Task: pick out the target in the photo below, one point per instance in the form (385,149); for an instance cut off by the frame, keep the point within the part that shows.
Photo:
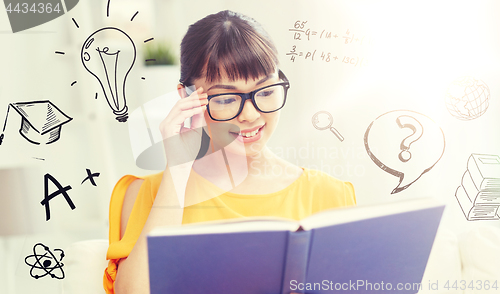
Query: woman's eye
(225,101)
(266,93)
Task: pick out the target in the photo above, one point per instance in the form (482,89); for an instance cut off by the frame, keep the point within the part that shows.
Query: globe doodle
(43,262)
(467,98)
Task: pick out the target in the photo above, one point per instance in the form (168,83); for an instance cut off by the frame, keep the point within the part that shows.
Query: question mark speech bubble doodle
(406,121)
(389,137)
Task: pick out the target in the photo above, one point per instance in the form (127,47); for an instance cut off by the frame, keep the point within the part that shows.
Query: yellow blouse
(312,192)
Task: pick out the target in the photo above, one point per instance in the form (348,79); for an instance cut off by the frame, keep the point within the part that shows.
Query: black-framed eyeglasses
(226,106)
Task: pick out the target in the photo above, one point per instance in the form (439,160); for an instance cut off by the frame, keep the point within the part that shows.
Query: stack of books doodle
(479,192)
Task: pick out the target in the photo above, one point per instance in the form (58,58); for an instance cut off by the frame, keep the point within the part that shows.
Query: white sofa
(472,256)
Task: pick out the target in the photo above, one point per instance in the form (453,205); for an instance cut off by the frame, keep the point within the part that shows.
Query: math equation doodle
(302,33)
(323,51)
(326,57)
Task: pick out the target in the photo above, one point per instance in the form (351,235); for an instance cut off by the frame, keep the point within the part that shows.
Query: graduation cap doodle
(41,121)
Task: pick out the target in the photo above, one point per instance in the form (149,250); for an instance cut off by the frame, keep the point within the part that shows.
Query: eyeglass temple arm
(282,76)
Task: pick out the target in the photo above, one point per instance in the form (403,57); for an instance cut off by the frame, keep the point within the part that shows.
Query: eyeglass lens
(227,106)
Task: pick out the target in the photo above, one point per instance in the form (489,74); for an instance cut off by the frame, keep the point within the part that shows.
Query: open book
(354,249)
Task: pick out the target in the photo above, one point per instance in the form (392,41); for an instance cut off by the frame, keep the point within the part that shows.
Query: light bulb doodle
(110,65)
(46,263)
(319,122)
(387,144)
(406,121)
(102,61)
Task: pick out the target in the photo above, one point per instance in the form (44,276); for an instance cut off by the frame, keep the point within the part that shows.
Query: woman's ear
(181,90)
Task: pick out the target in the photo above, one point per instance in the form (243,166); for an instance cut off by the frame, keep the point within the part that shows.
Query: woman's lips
(251,139)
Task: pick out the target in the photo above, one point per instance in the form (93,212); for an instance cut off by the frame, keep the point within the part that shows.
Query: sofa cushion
(443,265)
(85,262)
(480,252)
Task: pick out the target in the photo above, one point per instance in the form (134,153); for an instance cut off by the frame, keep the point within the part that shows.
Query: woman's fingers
(182,144)
(192,106)
(195,100)
(198,121)
(192,101)
(174,126)
(188,113)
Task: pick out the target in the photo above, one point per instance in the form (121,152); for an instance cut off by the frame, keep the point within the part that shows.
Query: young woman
(232,90)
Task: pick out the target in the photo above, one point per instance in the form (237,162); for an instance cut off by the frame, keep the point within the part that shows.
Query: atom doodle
(42,265)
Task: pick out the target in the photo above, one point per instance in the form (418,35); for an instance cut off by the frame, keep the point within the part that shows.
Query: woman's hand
(183,144)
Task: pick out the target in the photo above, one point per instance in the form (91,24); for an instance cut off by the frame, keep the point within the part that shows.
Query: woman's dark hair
(226,43)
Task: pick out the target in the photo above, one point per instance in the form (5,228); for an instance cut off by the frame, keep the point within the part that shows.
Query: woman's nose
(249,112)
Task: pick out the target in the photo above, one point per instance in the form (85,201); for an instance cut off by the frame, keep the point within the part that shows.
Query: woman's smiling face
(251,128)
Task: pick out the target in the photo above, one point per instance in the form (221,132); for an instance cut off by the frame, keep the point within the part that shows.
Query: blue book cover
(361,249)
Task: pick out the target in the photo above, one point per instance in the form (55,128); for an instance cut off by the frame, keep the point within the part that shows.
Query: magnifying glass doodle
(323,120)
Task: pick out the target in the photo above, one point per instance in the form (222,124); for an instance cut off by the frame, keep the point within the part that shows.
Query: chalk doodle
(90,177)
(323,120)
(48,197)
(479,192)
(467,98)
(406,121)
(110,63)
(326,56)
(41,121)
(44,262)
(301,31)
(388,143)
(303,34)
